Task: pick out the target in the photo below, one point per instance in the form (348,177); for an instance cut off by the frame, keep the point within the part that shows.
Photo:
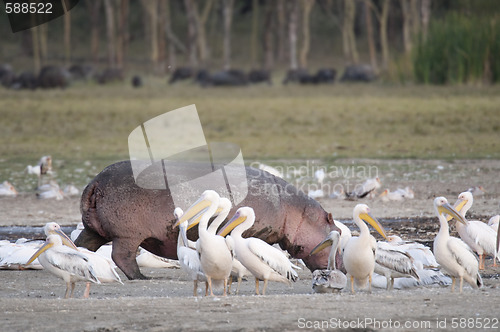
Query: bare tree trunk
(192,32)
(202,39)
(426,15)
(94,11)
(280,10)
(407,26)
(415,20)
(293,17)
(383,33)
(110,32)
(349,42)
(122,36)
(42,36)
(228,19)
(307,6)
(152,10)
(268,35)
(369,35)
(162,38)
(255,32)
(172,59)
(67,38)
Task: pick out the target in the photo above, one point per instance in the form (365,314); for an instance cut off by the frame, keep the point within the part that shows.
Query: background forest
(429,41)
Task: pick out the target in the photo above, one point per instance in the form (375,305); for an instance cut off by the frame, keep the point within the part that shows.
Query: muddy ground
(32,300)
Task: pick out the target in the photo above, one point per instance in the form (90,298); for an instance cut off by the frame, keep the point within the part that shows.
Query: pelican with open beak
(454,256)
(215,256)
(54,228)
(65,263)
(359,253)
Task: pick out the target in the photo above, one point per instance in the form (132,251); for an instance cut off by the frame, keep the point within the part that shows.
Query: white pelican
(263,260)
(238,270)
(478,235)
(417,251)
(53,193)
(393,263)
(330,280)
(493,222)
(71,190)
(345,236)
(320,175)
(54,228)
(359,253)
(74,234)
(215,256)
(148,259)
(454,256)
(388,195)
(477,190)
(270,170)
(13,256)
(338,194)
(368,188)
(318,193)
(66,263)
(407,192)
(7,189)
(44,167)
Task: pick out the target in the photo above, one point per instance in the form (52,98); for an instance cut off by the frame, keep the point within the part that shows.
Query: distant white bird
(454,256)
(407,192)
(44,167)
(387,196)
(359,253)
(76,232)
(477,190)
(71,190)
(50,191)
(330,280)
(65,263)
(263,260)
(368,188)
(338,194)
(13,256)
(318,193)
(477,234)
(320,175)
(7,189)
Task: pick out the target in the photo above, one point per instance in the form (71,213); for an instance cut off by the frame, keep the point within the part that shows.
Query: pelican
(71,190)
(263,260)
(477,190)
(454,256)
(479,236)
(43,167)
(53,193)
(215,256)
(417,251)
(320,175)
(407,192)
(74,234)
(52,228)
(345,236)
(493,222)
(148,259)
(14,255)
(330,280)
(238,270)
(368,188)
(359,253)
(66,263)
(393,263)
(338,194)
(388,195)
(7,189)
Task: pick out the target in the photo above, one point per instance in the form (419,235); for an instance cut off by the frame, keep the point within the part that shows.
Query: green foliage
(459,49)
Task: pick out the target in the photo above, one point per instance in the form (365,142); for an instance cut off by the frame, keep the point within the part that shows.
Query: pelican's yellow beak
(231,224)
(197,208)
(65,239)
(325,243)
(47,245)
(196,221)
(458,206)
(452,213)
(374,222)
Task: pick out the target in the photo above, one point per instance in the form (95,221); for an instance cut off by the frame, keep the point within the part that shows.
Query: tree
(426,15)
(123,34)
(94,13)
(192,32)
(307,6)
(110,32)
(348,36)
(281,31)
(268,35)
(293,13)
(255,32)
(369,36)
(67,37)
(228,19)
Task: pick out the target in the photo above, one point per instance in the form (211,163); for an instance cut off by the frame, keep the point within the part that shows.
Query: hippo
(359,73)
(231,77)
(259,76)
(109,75)
(136,81)
(181,73)
(115,209)
(54,77)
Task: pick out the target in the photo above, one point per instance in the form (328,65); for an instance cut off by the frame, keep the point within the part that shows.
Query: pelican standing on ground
(215,256)
(393,263)
(478,235)
(65,263)
(263,260)
(330,280)
(454,256)
(359,253)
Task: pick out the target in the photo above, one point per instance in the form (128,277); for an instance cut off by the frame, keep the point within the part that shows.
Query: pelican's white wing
(395,260)
(483,235)
(463,255)
(73,262)
(273,257)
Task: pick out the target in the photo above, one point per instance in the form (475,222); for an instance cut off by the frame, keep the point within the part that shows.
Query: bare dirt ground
(32,300)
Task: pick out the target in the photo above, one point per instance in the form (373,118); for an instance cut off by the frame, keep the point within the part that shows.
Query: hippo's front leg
(123,254)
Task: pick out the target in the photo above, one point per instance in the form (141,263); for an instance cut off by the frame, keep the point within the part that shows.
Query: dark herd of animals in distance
(61,77)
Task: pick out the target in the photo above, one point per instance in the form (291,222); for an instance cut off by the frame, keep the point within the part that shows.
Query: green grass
(90,122)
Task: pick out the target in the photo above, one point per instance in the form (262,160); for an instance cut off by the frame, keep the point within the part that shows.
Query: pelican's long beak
(65,239)
(46,245)
(458,206)
(197,219)
(236,220)
(325,243)
(198,207)
(183,229)
(374,222)
(452,213)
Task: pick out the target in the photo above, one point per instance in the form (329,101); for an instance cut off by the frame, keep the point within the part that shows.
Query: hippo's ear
(330,219)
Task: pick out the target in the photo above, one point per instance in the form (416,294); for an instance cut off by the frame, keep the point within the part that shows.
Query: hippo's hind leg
(90,240)
(123,254)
